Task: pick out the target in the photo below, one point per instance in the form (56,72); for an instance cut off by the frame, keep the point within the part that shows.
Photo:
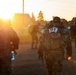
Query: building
(21,21)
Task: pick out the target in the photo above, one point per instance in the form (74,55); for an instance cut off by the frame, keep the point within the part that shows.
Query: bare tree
(33,17)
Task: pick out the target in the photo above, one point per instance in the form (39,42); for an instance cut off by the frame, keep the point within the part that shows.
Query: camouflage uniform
(53,57)
(73,33)
(54,61)
(67,41)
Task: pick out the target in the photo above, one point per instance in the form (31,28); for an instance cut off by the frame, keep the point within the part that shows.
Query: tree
(40,16)
(33,17)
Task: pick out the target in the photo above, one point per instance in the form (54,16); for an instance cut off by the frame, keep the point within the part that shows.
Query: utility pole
(23,12)
(23,6)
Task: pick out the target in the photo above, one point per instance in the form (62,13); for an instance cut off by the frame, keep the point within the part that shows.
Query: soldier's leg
(36,40)
(49,66)
(1,61)
(60,64)
(57,62)
(32,42)
(6,66)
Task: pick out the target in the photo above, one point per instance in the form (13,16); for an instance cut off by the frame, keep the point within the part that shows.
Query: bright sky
(62,8)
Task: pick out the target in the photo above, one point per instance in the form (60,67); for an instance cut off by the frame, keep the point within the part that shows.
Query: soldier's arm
(15,39)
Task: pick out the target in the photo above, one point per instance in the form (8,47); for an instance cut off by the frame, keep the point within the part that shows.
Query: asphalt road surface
(27,63)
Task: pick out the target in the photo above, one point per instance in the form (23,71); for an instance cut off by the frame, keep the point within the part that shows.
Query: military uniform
(5,65)
(52,45)
(33,31)
(8,41)
(67,41)
(73,33)
(54,62)
(53,57)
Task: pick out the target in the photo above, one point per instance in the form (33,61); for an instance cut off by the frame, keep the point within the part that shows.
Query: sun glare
(6,16)
(5,10)
(56,8)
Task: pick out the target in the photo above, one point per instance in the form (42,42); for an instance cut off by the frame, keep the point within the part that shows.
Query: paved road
(27,63)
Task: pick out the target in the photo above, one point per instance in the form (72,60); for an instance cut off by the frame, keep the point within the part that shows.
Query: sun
(6,11)
(9,7)
(6,16)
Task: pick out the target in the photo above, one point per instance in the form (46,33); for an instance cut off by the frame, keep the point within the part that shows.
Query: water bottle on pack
(13,55)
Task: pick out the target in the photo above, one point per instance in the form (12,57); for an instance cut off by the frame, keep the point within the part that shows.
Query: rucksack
(8,37)
(4,38)
(54,39)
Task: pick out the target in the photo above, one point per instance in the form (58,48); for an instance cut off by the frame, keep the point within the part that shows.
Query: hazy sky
(62,8)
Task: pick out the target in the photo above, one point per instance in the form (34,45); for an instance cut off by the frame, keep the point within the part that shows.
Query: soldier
(33,30)
(67,41)
(73,32)
(52,45)
(8,41)
(34,37)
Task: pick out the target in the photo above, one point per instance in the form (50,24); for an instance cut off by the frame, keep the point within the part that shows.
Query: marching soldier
(52,46)
(8,40)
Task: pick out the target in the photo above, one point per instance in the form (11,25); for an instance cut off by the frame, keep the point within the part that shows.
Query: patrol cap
(56,19)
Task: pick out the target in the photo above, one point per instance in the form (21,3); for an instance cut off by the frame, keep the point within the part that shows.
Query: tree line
(41,20)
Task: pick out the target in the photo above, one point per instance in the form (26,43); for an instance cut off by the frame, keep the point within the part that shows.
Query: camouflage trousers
(5,65)
(54,62)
